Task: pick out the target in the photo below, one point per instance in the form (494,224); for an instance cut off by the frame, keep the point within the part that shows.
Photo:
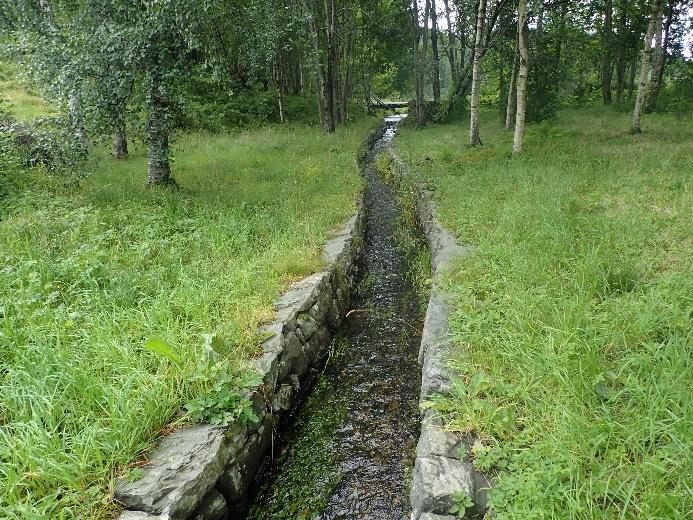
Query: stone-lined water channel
(347,451)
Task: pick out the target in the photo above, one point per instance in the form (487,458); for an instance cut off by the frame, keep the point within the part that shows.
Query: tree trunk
(326,71)
(665,45)
(606,52)
(158,151)
(319,69)
(461,25)
(631,76)
(332,64)
(436,56)
(349,71)
(337,84)
(423,60)
(645,67)
(465,74)
(120,142)
(512,91)
(656,56)
(419,59)
(657,66)
(621,56)
(503,91)
(279,82)
(523,46)
(474,138)
(450,44)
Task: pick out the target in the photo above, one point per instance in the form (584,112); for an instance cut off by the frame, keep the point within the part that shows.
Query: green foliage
(677,97)
(48,142)
(226,398)
(461,502)
(572,311)
(250,108)
(9,162)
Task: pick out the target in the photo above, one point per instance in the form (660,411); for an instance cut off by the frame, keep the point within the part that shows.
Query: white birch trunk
(645,68)
(657,59)
(474,138)
(522,71)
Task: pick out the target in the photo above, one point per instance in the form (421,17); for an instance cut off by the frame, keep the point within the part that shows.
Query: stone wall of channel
(442,465)
(200,472)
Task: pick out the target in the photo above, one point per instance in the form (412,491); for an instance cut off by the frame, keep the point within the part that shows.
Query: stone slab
(183,469)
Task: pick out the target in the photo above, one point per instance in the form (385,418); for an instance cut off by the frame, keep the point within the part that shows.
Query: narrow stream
(348,451)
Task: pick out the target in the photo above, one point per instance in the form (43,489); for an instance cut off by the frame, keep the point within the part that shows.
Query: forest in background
(122,69)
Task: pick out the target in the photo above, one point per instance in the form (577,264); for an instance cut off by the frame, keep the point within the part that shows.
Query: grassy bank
(88,274)
(572,316)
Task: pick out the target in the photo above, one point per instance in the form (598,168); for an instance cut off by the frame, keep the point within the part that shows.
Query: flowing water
(348,450)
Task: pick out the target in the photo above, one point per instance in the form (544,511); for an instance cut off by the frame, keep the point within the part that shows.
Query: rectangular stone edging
(199,472)
(442,465)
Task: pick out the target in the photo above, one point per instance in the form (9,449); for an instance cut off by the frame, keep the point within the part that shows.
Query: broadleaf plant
(461,502)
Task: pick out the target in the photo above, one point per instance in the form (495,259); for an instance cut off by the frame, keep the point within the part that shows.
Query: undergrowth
(572,315)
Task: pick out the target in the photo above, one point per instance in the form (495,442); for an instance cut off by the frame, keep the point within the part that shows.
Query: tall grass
(572,317)
(17,99)
(89,273)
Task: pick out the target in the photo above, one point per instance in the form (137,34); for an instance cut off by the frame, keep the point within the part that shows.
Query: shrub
(48,142)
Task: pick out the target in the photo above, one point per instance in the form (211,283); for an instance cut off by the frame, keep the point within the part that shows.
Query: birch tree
(607,37)
(474,138)
(662,36)
(523,68)
(657,61)
(419,52)
(645,67)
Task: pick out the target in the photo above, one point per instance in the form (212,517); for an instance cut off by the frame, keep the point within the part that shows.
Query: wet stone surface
(348,451)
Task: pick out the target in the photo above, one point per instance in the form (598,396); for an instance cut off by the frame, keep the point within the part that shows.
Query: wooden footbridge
(376,102)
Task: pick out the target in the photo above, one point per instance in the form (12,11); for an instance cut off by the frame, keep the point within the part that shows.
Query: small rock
(436,441)
(213,507)
(436,480)
(293,360)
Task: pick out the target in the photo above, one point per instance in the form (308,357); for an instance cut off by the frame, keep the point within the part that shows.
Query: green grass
(17,99)
(572,316)
(88,274)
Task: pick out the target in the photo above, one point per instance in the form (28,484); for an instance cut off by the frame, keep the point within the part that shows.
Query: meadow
(93,267)
(19,100)
(572,314)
